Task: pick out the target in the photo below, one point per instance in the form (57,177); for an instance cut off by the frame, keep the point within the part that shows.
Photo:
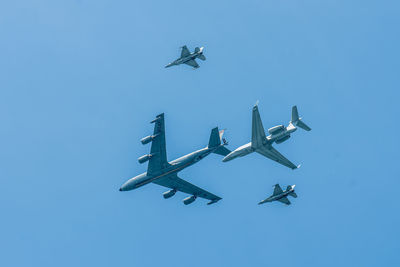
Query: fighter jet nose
(120,189)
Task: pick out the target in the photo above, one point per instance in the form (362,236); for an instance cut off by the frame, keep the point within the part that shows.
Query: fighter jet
(164,173)
(280,195)
(263,144)
(189,58)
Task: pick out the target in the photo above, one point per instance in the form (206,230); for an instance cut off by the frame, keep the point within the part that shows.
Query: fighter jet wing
(272,153)
(158,151)
(192,63)
(277,190)
(284,200)
(185,51)
(174,182)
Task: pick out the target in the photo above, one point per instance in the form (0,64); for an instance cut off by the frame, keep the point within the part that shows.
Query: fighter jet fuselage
(188,58)
(280,195)
(182,60)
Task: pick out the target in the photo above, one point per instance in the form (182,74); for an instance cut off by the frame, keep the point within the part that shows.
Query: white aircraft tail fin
(297,121)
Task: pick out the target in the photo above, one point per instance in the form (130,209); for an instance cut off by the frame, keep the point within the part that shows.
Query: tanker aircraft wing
(174,182)
(158,152)
(192,63)
(272,153)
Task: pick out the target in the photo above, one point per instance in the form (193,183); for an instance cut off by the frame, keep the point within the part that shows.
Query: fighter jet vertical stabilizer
(280,195)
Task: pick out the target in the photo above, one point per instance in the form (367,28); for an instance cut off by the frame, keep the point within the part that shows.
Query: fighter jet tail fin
(202,57)
(293,194)
(297,121)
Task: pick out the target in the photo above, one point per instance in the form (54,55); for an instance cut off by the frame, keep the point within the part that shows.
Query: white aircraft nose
(227,157)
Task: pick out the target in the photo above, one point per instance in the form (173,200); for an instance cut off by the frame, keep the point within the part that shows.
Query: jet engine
(144,158)
(189,200)
(147,139)
(169,193)
(276,129)
(283,139)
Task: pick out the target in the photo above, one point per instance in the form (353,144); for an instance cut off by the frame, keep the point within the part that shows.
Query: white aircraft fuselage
(282,134)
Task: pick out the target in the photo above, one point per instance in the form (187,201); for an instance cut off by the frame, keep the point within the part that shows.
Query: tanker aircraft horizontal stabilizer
(189,58)
(262,144)
(164,173)
(280,195)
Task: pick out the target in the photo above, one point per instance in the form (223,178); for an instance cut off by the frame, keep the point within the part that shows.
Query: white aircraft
(263,144)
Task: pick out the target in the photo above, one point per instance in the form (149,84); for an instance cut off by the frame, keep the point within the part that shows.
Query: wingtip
(214,201)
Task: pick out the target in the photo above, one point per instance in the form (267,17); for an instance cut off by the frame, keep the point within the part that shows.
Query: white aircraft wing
(277,190)
(158,151)
(258,137)
(284,200)
(174,182)
(192,63)
(185,51)
(272,153)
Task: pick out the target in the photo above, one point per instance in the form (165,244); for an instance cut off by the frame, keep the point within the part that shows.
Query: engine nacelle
(276,129)
(169,193)
(189,200)
(144,158)
(282,139)
(147,139)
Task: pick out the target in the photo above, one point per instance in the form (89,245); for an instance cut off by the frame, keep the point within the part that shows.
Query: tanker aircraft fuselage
(176,166)
(164,173)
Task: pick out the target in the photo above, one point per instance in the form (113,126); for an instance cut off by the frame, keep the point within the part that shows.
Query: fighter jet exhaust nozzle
(297,121)
(144,158)
(169,193)
(189,200)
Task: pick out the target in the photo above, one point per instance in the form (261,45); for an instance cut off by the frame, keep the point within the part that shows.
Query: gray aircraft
(164,173)
(189,58)
(280,195)
(263,144)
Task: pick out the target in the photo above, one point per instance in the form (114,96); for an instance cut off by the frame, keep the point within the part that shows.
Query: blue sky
(81,80)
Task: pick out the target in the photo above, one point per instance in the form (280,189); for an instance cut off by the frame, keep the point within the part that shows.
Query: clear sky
(81,80)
